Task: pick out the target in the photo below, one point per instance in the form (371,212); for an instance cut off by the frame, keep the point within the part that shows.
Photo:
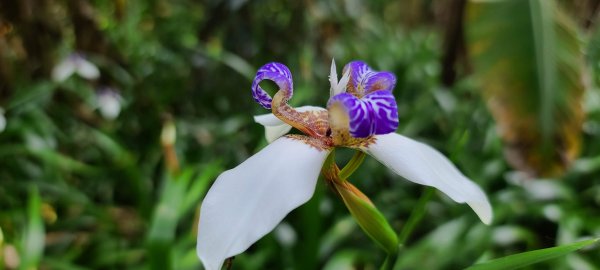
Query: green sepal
(371,221)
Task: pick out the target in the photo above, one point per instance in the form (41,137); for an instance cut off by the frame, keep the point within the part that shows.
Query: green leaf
(33,240)
(198,187)
(343,259)
(164,221)
(166,213)
(416,215)
(446,238)
(180,194)
(372,222)
(530,69)
(37,93)
(62,161)
(531,257)
(1,248)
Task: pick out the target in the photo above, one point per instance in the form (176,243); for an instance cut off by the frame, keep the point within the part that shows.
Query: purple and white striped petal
(359,116)
(277,73)
(375,113)
(364,80)
(358,71)
(384,111)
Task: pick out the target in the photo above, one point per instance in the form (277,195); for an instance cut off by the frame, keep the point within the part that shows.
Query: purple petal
(383,80)
(364,80)
(375,113)
(358,71)
(359,115)
(384,111)
(277,73)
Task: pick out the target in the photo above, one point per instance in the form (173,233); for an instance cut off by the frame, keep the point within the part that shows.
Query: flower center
(367,108)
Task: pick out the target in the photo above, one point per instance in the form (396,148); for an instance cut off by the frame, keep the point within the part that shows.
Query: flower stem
(329,161)
(390,262)
(416,215)
(352,165)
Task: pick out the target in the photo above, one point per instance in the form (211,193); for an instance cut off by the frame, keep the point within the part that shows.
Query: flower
(108,102)
(248,201)
(75,63)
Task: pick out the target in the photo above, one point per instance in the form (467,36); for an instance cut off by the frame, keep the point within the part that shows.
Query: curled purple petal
(277,73)
(384,111)
(364,80)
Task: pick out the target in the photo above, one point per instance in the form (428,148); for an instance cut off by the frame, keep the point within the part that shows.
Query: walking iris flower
(75,63)
(248,201)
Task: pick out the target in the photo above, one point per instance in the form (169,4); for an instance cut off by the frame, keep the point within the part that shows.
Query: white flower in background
(248,201)
(75,63)
(285,234)
(2,120)
(108,102)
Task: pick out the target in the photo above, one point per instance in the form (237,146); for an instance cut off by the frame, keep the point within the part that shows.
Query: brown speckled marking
(319,144)
(312,123)
(316,124)
(359,143)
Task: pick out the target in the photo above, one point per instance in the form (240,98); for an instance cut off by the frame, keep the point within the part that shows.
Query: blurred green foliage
(531,72)
(82,191)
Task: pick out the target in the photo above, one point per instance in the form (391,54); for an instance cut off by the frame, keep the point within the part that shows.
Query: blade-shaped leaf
(165,219)
(530,68)
(531,257)
(33,240)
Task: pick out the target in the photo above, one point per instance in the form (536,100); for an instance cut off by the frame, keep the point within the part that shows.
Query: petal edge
(421,164)
(248,201)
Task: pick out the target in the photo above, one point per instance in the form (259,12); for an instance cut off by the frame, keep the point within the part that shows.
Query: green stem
(329,160)
(352,165)
(389,262)
(416,215)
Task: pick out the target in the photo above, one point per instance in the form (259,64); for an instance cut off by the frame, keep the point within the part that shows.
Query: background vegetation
(81,189)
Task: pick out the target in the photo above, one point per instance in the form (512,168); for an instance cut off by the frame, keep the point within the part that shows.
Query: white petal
(63,70)
(268,120)
(333,79)
(87,70)
(275,132)
(424,165)
(274,127)
(341,87)
(248,201)
(109,103)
